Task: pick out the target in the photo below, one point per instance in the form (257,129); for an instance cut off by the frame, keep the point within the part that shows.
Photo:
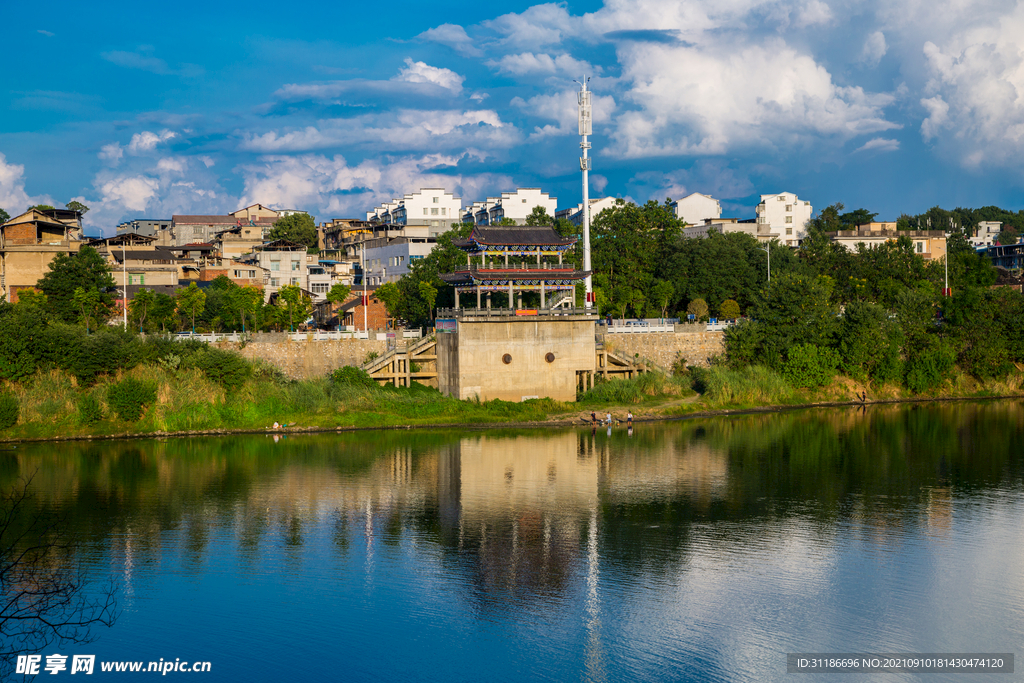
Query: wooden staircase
(395,366)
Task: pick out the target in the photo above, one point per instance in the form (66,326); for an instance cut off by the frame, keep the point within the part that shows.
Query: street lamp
(768,250)
(124,283)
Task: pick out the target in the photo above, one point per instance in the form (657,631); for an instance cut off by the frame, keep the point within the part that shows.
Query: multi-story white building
(518,205)
(988,233)
(696,208)
(286,263)
(433,207)
(723,225)
(387,259)
(575,214)
(783,216)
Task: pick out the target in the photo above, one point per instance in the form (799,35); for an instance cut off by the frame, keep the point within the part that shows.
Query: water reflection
(544,526)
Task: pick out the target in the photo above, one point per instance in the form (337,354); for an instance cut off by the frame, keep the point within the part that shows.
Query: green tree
(429,294)
(247,301)
(191,301)
(140,305)
(629,243)
(164,311)
(698,308)
(67,272)
(539,216)
(729,310)
(89,303)
(41,207)
(295,303)
(390,294)
(297,227)
(662,294)
(4,216)
(77,206)
(339,293)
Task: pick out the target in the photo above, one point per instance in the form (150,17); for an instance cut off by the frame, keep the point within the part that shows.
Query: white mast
(586,128)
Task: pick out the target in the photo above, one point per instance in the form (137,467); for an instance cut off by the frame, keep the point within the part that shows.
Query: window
(424,211)
(275,265)
(920,247)
(789,219)
(295,265)
(136,279)
(789,231)
(197,230)
(781,199)
(433,211)
(437,199)
(789,207)
(318,287)
(442,211)
(275,282)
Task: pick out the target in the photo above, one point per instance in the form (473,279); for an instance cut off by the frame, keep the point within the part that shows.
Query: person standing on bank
(629,418)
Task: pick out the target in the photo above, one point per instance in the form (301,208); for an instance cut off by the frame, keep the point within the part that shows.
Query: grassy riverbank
(55,404)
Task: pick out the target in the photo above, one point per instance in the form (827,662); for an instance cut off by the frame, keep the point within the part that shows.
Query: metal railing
(513,312)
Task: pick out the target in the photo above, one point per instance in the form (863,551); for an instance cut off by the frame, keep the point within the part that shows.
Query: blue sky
(147,110)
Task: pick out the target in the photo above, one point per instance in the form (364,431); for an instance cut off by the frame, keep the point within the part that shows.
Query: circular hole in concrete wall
(550,357)
(506,359)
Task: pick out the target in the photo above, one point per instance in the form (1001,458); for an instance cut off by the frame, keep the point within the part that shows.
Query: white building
(515,206)
(575,214)
(387,259)
(697,208)
(286,263)
(784,217)
(722,225)
(433,207)
(988,232)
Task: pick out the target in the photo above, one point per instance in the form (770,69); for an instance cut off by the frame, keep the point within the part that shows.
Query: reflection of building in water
(939,510)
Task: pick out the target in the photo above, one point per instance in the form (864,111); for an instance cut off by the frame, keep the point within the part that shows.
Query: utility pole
(768,250)
(362,266)
(586,129)
(124,282)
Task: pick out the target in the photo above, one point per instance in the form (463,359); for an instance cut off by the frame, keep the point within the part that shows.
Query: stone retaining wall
(308,359)
(664,347)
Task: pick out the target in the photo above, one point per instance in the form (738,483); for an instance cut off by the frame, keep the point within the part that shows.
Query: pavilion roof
(513,236)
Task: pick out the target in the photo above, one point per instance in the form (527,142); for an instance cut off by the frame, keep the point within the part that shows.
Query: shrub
(929,366)
(89,410)
(808,365)
(729,310)
(129,398)
(352,376)
(227,369)
(8,411)
(371,356)
(699,309)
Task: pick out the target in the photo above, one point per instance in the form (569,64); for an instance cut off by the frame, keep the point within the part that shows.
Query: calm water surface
(698,550)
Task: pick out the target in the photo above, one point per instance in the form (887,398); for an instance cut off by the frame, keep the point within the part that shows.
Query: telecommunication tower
(586,129)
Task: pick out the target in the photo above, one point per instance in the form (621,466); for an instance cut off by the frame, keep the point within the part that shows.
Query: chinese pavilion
(487,270)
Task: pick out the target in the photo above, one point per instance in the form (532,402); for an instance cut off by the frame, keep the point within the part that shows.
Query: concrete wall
(470,363)
(308,359)
(664,347)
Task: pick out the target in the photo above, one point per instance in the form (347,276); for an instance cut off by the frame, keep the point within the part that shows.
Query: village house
(29,242)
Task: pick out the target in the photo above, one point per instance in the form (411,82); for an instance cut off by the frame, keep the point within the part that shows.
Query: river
(696,550)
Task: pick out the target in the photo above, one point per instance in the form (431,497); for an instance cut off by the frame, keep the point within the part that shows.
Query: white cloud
(48,34)
(145,62)
(13,197)
(541,63)
(715,99)
(938,117)
(977,87)
(147,141)
(539,25)
(599,182)
(879,145)
(331,186)
(421,72)
(454,36)
(401,130)
(111,153)
(874,49)
(562,107)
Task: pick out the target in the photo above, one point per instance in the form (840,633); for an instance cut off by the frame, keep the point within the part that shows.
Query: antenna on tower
(586,128)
